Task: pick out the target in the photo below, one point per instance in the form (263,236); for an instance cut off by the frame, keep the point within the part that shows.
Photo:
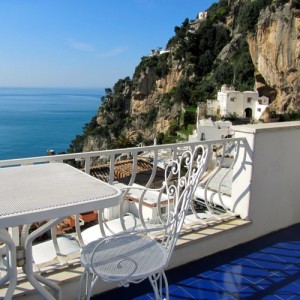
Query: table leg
(33,278)
(11,275)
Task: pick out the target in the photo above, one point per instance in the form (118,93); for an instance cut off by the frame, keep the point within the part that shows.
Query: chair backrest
(181,180)
(171,201)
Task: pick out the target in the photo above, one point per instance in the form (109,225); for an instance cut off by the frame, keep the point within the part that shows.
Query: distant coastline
(33,120)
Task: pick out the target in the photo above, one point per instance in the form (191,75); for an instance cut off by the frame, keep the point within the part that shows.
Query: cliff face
(275,52)
(148,94)
(244,43)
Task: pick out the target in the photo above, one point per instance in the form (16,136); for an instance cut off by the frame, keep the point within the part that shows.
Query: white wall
(212,106)
(212,133)
(240,103)
(269,178)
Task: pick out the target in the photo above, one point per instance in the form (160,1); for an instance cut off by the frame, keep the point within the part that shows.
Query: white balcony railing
(126,168)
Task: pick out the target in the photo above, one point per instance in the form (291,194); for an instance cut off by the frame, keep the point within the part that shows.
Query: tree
(224,73)
(76,145)
(244,72)
(108,91)
(249,13)
(124,140)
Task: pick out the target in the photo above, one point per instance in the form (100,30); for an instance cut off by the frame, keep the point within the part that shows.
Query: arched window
(248,112)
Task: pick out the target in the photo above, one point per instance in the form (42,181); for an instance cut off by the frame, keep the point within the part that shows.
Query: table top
(46,191)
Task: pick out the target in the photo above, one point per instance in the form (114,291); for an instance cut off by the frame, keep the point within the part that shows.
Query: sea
(35,120)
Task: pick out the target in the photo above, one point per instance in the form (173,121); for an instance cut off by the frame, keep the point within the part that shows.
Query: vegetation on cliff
(166,87)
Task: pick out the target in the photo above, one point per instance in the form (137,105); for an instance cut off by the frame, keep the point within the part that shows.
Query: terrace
(250,190)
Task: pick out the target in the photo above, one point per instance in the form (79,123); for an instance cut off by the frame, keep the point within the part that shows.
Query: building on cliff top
(246,104)
(158,52)
(202,15)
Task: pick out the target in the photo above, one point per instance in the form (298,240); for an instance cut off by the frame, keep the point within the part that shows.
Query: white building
(206,129)
(158,52)
(202,15)
(209,130)
(246,104)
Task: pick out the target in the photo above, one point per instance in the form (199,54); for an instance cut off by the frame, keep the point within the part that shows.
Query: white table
(39,192)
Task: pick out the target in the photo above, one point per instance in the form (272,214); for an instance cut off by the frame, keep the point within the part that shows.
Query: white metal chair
(131,257)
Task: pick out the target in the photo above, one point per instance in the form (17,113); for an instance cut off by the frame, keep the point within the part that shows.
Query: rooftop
(123,170)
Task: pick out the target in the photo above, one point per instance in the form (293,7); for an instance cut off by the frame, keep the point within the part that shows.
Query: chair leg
(166,285)
(87,281)
(158,281)
(92,281)
(82,279)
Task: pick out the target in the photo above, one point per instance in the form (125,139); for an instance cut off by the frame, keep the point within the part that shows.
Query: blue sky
(83,43)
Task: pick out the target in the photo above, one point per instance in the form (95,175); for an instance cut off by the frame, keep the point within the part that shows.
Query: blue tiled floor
(266,268)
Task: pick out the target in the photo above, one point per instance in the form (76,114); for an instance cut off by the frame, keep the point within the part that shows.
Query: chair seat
(125,258)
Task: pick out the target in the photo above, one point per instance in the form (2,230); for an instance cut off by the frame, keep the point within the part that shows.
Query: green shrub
(224,73)
(288,116)
(249,13)
(243,69)
(189,117)
(149,117)
(162,67)
(231,117)
(218,11)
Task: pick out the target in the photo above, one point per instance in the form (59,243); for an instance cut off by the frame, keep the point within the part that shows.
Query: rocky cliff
(148,94)
(274,46)
(275,52)
(244,43)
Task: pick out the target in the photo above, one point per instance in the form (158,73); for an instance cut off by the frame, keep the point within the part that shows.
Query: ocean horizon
(33,120)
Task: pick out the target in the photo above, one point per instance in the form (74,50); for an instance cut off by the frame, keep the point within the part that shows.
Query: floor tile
(289,291)
(269,262)
(206,289)
(249,292)
(267,268)
(249,270)
(283,253)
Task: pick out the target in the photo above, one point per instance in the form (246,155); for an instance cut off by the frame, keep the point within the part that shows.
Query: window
(249,100)
(232,99)
(259,109)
